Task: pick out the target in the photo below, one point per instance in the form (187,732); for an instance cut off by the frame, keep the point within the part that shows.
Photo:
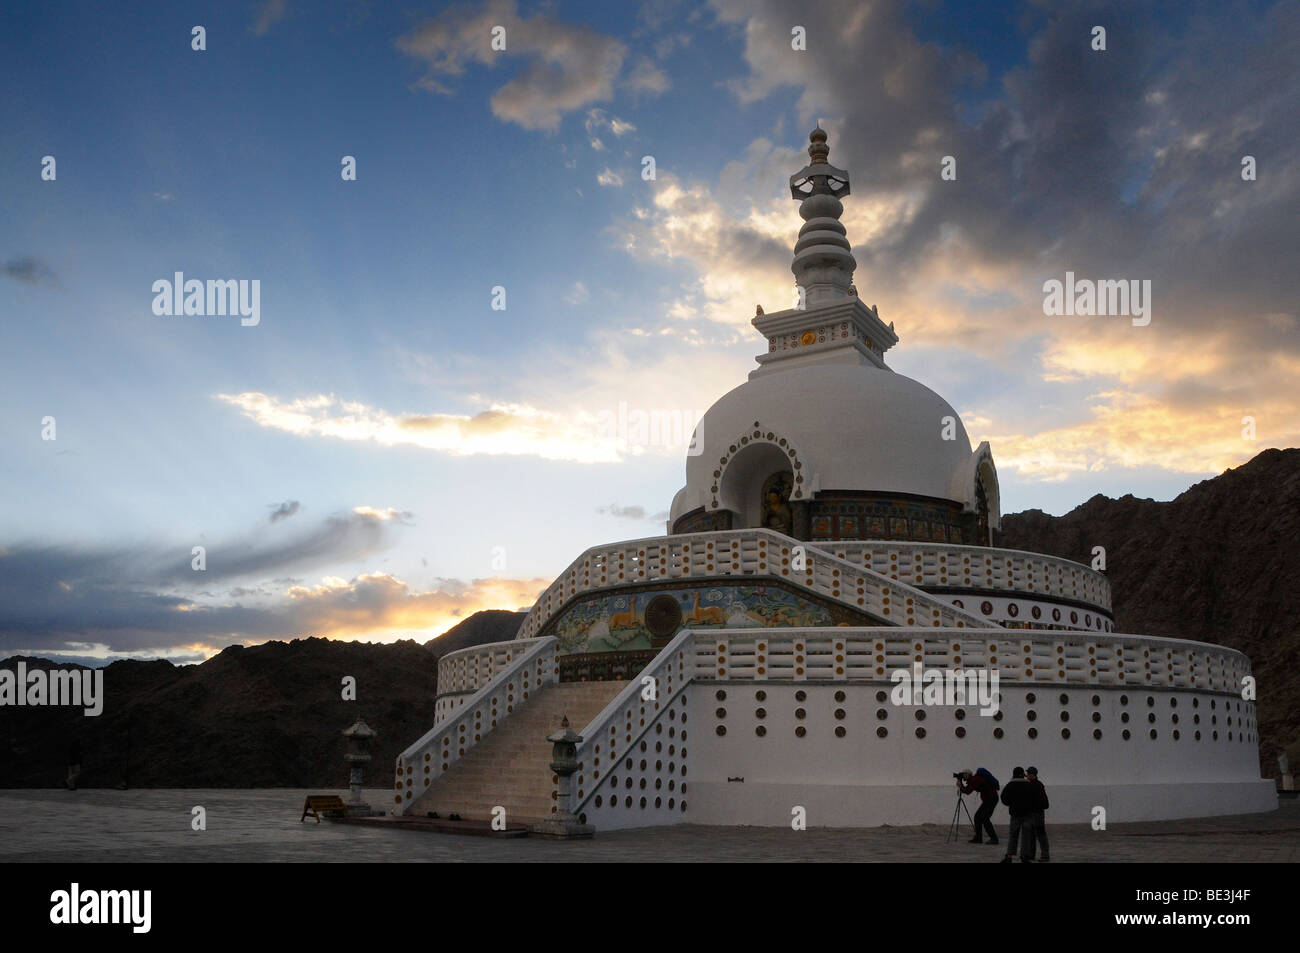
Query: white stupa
(830,559)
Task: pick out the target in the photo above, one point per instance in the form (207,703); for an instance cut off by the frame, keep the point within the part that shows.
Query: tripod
(954,829)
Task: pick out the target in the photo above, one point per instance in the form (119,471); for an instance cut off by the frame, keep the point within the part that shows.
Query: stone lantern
(564,762)
(358,739)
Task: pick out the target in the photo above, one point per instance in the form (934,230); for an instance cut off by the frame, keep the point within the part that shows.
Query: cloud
(665,46)
(382,606)
(1192,422)
(147,597)
(143,600)
(740,256)
(578,294)
(98,611)
(564,405)
(609,178)
(645,77)
(1066,116)
(269,13)
(27,270)
(567,67)
(1127,430)
(631,512)
(284,510)
(384,515)
(597,121)
(623,512)
(502,429)
(341,537)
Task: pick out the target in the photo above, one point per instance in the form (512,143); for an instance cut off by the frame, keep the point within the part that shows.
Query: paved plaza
(262,825)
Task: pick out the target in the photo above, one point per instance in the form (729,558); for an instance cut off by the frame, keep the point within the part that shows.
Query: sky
(411,429)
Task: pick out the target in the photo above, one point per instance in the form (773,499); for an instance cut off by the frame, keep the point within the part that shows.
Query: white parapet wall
(852,759)
(1017,655)
(462,673)
(972,586)
(976,567)
(780,719)
(744,553)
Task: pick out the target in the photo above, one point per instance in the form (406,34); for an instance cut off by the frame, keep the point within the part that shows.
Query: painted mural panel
(616,621)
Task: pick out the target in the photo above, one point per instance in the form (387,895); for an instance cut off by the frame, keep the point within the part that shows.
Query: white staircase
(510,767)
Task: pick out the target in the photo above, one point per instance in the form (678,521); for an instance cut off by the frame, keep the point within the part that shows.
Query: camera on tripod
(955,829)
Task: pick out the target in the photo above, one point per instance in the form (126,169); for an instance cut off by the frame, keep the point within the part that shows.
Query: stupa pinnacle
(829,323)
(823,260)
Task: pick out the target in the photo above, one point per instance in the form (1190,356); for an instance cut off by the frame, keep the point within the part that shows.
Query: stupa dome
(835,427)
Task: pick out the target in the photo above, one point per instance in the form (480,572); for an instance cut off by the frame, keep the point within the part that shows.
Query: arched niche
(754,468)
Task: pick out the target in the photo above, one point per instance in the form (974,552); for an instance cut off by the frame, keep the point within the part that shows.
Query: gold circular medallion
(809,337)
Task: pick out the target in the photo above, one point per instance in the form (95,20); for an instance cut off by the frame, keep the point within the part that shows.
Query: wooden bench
(318,804)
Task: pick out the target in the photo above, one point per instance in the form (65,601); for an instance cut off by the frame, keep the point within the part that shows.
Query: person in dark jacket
(1040,805)
(1019,797)
(971,782)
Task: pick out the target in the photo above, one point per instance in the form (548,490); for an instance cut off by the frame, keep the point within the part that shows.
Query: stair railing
(630,714)
(449,741)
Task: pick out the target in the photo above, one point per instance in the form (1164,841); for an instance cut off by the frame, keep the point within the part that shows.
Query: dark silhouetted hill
(263,716)
(489,625)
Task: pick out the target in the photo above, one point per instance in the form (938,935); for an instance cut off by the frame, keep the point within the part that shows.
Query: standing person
(1040,805)
(1019,797)
(983,783)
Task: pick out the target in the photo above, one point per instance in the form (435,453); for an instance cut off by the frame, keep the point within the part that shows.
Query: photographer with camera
(983,783)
